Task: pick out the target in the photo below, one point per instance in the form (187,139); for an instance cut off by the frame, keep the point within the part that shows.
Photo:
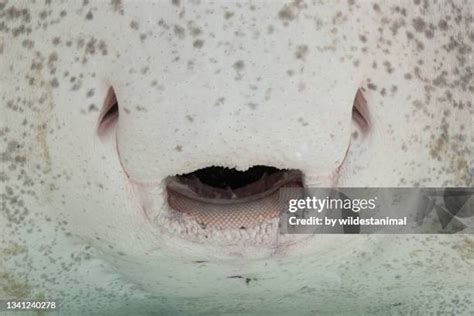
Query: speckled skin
(232,84)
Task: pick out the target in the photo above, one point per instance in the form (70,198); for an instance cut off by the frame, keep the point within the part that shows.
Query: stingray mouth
(225,198)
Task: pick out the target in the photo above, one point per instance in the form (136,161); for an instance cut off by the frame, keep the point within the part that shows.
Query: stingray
(142,144)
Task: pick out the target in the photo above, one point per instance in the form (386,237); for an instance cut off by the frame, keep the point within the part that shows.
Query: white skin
(231,84)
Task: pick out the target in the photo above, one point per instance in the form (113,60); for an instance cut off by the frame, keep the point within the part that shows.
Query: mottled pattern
(228,83)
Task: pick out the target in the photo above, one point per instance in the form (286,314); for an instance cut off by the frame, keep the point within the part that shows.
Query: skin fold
(233,84)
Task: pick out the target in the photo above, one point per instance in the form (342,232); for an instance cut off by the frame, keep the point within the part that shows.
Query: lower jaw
(185,227)
(178,227)
(263,231)
(261,241)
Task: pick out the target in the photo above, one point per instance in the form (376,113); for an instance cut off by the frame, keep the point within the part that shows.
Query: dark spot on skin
(198,43)
(179,31)
(441,80)
(200,261)
(238,65)
(301,52)
(376,7)
(190,118)
(286,13)
(43,15)
(194,30)
(103,47)
(372,86)
(418,24)
(178,148)
(363,38)
(176,2)
(89,15)
(419,45)
(56,41)
(252,105)
(54,83)
(117,5)
(290,11)
(219,101)
(28,44)
(303,122)
(134,25)
(235,277)
(443,25)
(388,66)
(429,34)
(228,15)
(471,37)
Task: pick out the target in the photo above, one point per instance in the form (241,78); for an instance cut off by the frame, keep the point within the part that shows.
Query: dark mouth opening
(223,178)
(220,184)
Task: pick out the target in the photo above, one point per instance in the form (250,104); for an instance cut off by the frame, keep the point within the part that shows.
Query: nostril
(109,114)
(360,112)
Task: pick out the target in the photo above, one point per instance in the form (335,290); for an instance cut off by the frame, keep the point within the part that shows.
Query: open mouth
(223,198)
